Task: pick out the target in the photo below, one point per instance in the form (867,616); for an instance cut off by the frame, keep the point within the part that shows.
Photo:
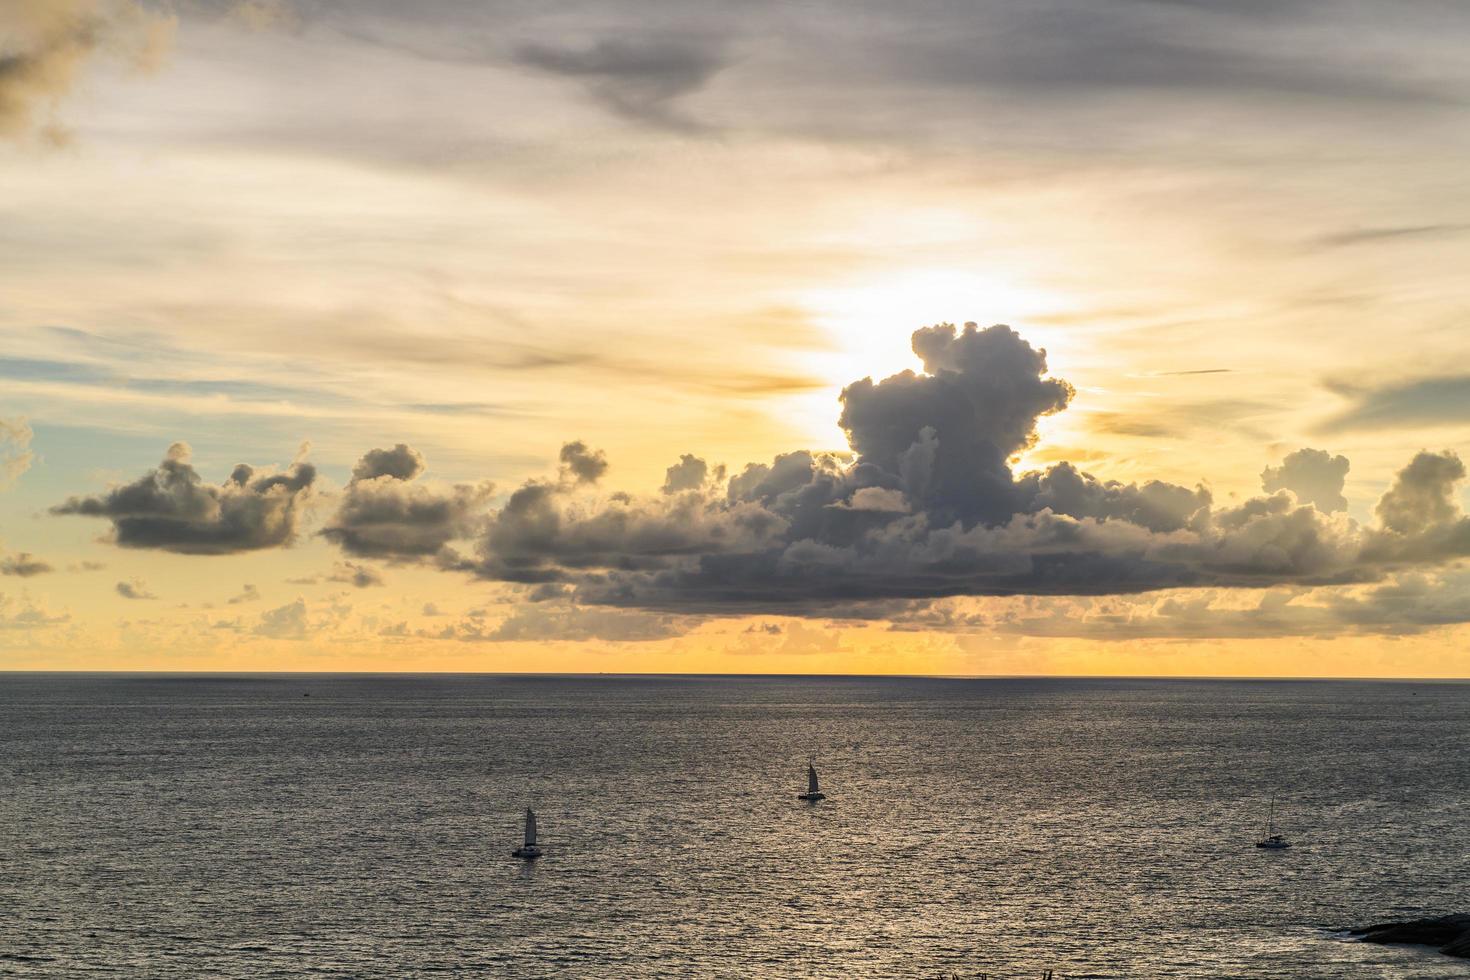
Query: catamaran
(1273,841)
(812,793)
(529,851)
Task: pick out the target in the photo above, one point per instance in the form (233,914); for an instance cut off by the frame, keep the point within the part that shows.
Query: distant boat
(1273,841)
(812,793)
(529,851)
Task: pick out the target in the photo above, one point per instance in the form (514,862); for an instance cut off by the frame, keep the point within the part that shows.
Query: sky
(998,337)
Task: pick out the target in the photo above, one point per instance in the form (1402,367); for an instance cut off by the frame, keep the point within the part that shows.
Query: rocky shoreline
(1451,933)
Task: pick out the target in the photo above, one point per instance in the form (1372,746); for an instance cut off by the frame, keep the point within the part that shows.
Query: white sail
(811,779)
(530,828)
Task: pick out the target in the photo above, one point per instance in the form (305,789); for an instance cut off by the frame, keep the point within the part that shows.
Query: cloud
(384,513)
(264,15)
(548,622)
(1182,420)
(1081,51)
(134,590)
(927,506)
(15,451)
(45,45)
(690,473)
(286,622)
(402,462)
(1442,400)
(248,593)
(23,564)
(22,614)
(173,509)
(640,80)
(1422,495)
(1403,605)
(981,398)
(580,464)
(1395,233)
(358,576)
(1316,477)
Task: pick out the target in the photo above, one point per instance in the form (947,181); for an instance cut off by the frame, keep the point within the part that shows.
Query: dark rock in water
(1451,933)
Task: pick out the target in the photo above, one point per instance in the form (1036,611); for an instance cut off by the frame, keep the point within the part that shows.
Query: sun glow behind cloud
(870,319)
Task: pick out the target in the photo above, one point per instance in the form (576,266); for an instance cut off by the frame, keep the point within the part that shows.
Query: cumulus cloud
(286,622)
(45,46)
(23,564)
(23,614)
(926,505)
(402,462)
(691,473)
(15,451)
(1315,476)
(1423,494)
(134,590)
(581,464)
(385,513)
(173,509)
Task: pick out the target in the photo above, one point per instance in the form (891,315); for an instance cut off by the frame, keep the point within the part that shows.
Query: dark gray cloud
(173,509)
(581,464)
(1315,476)
(402,462)
(1441,400)
(134,590)
(980,399)
(385,513)
(23,564)
(927,506)
(638,79)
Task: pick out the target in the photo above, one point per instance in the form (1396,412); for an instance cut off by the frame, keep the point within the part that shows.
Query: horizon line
(730,676)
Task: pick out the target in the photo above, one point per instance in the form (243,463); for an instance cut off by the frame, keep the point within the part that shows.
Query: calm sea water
(161,826)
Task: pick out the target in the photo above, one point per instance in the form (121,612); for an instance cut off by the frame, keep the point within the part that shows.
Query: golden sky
(501,303)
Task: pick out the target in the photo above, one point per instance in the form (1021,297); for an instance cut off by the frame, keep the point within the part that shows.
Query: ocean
(235,827)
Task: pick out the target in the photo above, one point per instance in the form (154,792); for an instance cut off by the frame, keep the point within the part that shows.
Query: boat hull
(526,853)
(812,797)
(1272,845)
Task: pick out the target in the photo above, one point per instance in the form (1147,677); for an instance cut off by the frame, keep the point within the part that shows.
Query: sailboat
(812,794)
(529,851)
(1273,841)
